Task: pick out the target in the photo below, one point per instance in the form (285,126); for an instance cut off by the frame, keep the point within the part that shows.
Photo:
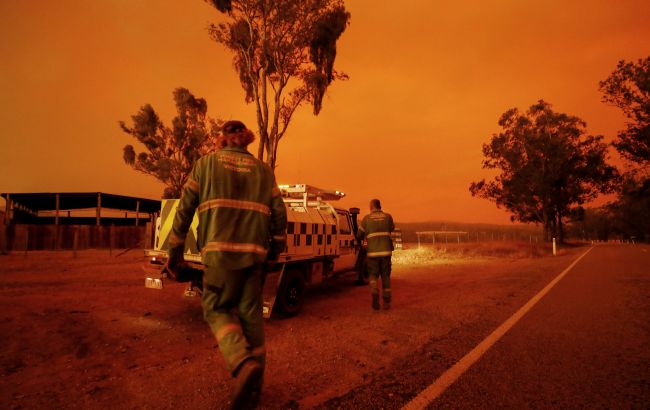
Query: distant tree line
(550,167)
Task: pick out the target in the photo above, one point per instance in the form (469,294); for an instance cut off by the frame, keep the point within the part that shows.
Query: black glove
(271,256)
(181,271)
(279,246)
(175,261)
(275,249)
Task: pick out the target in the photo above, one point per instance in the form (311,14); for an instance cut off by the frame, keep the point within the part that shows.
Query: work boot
(246,393)
(375,302)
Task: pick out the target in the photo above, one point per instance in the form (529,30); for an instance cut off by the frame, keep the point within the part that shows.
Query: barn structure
(79,220)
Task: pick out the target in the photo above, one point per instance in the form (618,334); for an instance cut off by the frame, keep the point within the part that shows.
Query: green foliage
(170,152)
(625,218)
(594,224)
(284,53)
(631,211)
(223,6)
(628,88)
(548,167)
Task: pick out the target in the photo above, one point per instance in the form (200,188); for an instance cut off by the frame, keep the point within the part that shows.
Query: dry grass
(458,252)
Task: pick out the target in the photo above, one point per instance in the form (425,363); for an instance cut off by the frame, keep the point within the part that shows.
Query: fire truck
(321,244)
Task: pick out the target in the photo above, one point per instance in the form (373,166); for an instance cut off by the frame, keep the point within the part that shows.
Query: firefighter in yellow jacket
(242,222)
(376,228)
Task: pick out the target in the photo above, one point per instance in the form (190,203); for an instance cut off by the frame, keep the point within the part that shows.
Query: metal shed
(76,220)
(78,208)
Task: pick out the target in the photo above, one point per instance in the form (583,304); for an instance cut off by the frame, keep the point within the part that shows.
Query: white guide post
(554,248)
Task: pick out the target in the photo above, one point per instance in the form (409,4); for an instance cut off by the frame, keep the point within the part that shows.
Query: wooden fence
(20,237)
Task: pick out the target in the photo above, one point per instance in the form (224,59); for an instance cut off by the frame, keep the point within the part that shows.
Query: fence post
(8,207)
(4,246)
(26,240)
(56,221)
(147,235)
(75,241)
(98,214)
(137,212)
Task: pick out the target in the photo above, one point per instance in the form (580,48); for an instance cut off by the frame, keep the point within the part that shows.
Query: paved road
(586,344)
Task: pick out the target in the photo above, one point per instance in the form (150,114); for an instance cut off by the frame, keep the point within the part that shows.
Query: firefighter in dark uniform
(242,222)
(376,228)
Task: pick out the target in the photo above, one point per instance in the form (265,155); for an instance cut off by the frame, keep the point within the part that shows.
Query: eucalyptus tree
(549,167)
(170,152)
(284,53)
(628,88)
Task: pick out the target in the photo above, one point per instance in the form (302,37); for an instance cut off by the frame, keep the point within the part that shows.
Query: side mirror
(354,212)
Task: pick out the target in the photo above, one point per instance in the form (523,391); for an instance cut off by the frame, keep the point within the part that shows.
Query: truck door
(345,242)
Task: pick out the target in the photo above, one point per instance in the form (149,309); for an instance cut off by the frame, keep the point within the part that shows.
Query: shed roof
(46,201)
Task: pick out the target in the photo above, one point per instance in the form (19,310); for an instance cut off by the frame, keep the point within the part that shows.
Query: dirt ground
(84,332)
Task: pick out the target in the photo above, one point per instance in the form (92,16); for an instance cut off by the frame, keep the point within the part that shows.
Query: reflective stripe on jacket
(239,205)
(376,227)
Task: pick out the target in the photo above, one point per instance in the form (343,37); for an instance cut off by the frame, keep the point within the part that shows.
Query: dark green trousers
(380,267)
(232,307)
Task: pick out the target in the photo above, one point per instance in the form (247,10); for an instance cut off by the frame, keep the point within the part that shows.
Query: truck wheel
(290,294)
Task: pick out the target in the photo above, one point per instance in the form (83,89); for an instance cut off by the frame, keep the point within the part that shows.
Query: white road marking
(452,374)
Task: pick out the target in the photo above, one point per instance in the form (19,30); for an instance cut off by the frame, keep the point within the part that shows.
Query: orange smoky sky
(428,81)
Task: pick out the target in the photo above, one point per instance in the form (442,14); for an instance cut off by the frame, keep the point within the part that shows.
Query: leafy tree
(284,52)
(627,217)
(628,88)
(171,151)
(631,211)
(548,167)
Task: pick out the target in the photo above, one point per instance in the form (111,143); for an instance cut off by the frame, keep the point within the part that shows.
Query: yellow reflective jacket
(240,209)
(376,227)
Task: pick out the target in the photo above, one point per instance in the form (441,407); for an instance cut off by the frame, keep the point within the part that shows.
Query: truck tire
(290,296)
